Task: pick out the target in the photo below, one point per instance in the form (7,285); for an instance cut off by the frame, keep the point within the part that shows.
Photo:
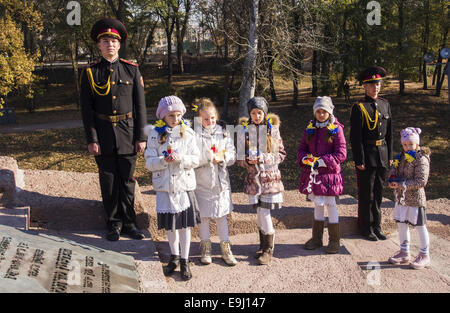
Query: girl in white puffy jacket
(213,191)
(171,156)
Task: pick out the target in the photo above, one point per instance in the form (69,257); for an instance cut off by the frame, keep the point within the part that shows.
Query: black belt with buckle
(114,118)
(378,142)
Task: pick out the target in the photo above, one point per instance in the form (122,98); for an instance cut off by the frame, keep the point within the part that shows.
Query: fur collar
(425,150)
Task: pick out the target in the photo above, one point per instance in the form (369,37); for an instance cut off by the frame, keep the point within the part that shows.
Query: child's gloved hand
(319,163)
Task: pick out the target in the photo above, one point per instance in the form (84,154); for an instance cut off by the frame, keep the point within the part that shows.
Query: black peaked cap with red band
(371,74)
(109,27)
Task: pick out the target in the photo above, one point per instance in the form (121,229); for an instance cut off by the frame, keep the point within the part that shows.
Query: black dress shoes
(132,231)
(172,265)
(380,235)
(114,233)
(370,236)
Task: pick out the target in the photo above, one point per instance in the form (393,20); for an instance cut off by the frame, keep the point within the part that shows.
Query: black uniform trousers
(370,193)
(117,186)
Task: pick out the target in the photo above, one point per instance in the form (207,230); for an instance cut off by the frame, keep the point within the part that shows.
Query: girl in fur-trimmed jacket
(408,179)
(320,154)
(264,151)
(171,156)
(213,191)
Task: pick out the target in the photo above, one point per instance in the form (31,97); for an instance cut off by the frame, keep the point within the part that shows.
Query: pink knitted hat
(169,104)
(410,134)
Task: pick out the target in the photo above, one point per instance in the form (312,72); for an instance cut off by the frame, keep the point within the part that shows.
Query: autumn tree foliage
(16,63)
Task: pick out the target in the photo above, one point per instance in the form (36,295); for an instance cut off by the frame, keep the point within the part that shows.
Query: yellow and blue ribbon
(160,126)
(269,123)
(310,128)
(410,156)
(397,160)
(333,129)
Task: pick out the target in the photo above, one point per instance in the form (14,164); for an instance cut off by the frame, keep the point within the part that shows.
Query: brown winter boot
(317,234)
(267,252)
(334,239)
(259,252)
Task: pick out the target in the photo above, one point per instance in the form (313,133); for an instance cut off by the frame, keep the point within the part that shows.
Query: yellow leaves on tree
(16,65)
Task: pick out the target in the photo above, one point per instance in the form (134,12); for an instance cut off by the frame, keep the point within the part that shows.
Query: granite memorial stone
(36,262)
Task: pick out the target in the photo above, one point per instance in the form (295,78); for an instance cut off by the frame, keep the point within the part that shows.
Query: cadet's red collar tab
(110,32)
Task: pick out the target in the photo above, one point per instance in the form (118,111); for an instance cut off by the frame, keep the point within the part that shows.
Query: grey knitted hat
(258,103)
(324,103)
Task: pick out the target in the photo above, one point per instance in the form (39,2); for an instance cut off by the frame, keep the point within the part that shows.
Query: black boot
(379,234)
(185,270)
(172,265)
(114,232)
(132,231)
(370,236)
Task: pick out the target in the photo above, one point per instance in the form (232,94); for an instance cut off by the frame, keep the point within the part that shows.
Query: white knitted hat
(324,103)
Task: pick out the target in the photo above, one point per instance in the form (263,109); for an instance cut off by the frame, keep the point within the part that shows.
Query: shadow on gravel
(444,219)
(140,250)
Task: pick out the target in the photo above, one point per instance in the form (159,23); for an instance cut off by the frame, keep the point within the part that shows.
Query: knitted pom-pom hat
(410,134)
(169,104)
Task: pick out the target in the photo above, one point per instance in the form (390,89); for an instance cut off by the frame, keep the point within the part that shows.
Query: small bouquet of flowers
(310,160)
(168,152)
(217,155)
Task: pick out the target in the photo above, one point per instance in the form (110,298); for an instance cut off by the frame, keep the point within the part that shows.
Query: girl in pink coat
(320,154)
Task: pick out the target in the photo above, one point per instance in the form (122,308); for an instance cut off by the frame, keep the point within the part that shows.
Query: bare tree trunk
(314,74)
(444,72)
(426,37)
(181,28)
(73,56)
(169,57)
(295,86)
(119,13)
(345,60)
(179,46)
(439,67)
(168,21)
(273,94)
(434,76)
(248,78)
(400,46)
(325,85)
(226,97)
(148,42)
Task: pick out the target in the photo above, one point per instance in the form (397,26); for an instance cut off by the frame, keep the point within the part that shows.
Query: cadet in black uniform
(114,115)
(371,141)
